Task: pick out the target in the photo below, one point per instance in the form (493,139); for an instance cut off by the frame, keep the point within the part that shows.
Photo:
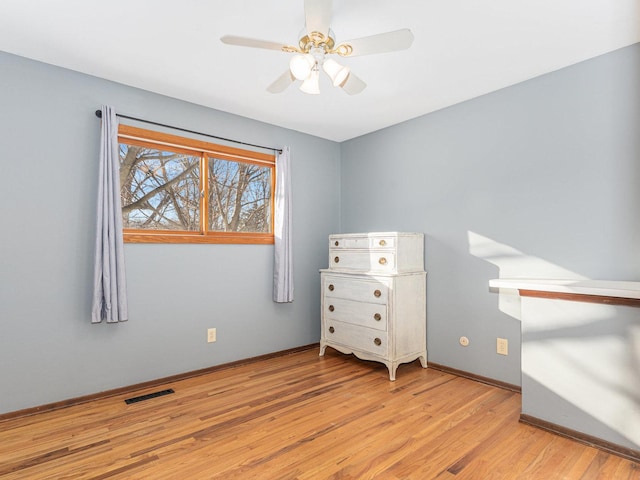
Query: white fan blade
(252,42)
(281,83)
(381,43)
(353,85)
(317,15)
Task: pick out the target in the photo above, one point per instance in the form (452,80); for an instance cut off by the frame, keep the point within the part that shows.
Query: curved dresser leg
(322,349)
(392,366)
(423,360)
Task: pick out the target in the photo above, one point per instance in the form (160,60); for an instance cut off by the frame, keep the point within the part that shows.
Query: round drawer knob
(337,259)
(382,261)
(377,317)
(377,293)
(331,329)
(331,287)
(382,243)
(331,308)
(377,341)
(337,243)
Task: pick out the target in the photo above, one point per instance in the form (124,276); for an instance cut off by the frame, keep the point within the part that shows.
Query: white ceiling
(462,49)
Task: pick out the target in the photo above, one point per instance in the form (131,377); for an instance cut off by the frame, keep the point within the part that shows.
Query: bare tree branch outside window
(161,190)
(239,197)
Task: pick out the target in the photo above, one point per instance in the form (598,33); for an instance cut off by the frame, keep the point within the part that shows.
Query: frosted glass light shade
(301,66)
(336,72)
(312,83)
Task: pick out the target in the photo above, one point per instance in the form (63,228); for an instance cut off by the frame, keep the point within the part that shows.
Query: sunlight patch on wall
(584,353)
(513,263)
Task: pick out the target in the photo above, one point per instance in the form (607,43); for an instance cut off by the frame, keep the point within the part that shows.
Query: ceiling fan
(315,47)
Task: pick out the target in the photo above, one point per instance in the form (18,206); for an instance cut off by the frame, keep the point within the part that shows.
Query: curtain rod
(99,115)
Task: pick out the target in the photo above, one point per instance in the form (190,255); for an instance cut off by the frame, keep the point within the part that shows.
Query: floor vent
(148,396)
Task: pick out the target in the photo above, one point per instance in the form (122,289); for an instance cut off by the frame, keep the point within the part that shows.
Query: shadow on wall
(580,361)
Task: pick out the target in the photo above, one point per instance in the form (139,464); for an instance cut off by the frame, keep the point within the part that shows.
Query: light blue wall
(539,179)
(535,179)
(49,351)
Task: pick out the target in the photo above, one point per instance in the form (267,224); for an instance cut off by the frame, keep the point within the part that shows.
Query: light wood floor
(302,416)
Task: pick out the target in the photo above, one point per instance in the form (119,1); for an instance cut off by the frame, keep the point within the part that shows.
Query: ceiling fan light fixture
(301,66)
(338,73)
(344,81)
(311,84)
(316,42)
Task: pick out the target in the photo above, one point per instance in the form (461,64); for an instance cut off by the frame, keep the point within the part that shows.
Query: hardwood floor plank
(301,417)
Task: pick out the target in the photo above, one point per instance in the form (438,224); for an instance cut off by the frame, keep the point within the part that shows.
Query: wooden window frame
(148,138)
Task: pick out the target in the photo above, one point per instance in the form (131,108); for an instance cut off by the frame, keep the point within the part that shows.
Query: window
(181,190)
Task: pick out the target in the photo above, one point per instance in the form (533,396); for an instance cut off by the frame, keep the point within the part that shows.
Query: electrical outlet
(502,346)
(211,335)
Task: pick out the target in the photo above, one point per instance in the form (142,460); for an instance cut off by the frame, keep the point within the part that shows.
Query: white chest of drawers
(374,298)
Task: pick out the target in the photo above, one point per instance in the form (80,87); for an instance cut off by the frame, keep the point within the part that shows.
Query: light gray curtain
(109,283)
(283,261)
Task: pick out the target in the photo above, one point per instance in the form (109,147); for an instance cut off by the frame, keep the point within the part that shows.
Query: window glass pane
(160,189)
(239,197)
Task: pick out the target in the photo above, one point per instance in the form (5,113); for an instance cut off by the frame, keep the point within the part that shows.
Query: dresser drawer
(371,315)
(362,241)
(362,260)
(379,252)
(353,336)
(354,288)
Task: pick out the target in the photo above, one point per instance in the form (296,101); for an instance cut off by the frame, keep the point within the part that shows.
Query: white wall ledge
(594,288)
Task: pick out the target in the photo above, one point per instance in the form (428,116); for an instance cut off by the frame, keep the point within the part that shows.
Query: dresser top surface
(369,273)
(378,234)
